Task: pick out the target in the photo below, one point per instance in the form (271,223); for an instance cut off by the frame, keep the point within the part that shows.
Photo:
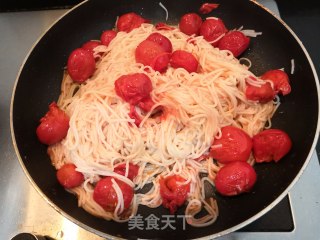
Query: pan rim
(222,233)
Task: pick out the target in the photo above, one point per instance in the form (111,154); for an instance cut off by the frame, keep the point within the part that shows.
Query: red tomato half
(212,29)
(68,177)
(280,81)
(208,7)
(234,41)
(183,59)
(235,178)
(133,88)
(234,145)
(262,94)
(130,21)
(105,195)
(53,126)
(107,36)
(163,41)
(81,65)
(271,144)
(190,23)
(133,170)
(151,54)
(173,192)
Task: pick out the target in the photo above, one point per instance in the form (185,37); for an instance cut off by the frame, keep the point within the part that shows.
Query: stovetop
(24,210)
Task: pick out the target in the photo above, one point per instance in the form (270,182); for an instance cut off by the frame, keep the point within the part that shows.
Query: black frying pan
(39,84)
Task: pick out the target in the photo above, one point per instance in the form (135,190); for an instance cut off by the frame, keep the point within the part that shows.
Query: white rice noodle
(165,9)
(292,66)
(250,32)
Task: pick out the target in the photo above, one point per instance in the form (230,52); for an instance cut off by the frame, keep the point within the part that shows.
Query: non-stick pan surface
(39,84)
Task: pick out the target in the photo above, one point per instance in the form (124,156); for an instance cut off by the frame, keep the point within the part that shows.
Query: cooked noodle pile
(194,108)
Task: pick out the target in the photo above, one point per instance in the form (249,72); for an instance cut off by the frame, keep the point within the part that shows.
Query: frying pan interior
(39,84)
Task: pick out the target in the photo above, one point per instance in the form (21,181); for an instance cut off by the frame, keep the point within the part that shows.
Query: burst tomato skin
(129,21)
(105,195)
(107,36)
(53,126)
(134,115)
(68,177)
(280,81)
(234,145)
(208,7)
(146,104)
(212,29)
(235,178)
(173,194)
(234,41)
(163,26)
(160,63)
(133,88)
(262,94)
(151,54)
(184,59)
(190,23)
(162,40)
(271,144)
(133,170)
(81,65)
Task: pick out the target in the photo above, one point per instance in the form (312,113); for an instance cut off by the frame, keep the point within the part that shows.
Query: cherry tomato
(81,65)
(271,144)
(107,36)
(53,126)
(147,51)
(235,178)
(163,26)
(234,145)
(130,21)
(190,23)
(68,176)
(211,29)
(90,46)
(183,59)
(208,7)
(163,41)
(151,54)
(234,41)
(105,195)
(173,192)
(133,88)
(280,81)
(262,94)
(133,170)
